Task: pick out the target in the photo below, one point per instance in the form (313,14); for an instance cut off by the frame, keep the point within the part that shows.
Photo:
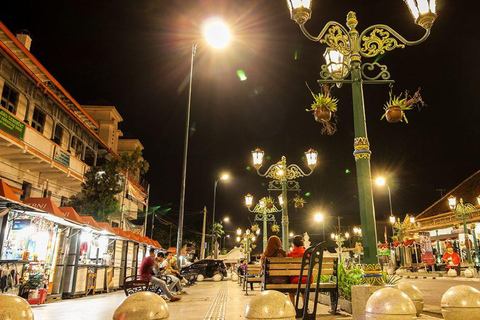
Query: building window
(38,120)
(58,135)
(76,148)
(9,99)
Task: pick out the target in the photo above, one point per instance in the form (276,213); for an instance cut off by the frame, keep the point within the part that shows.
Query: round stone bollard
(414,294)
(200,278)
(14,308)
(234,276)
(452,273)
(143,305)
(469,273)
(461,302)
(390,304)
(217,277)
(270,304)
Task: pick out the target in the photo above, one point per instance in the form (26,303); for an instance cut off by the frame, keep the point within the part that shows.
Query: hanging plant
(395,108)
(298,202)
(323,109)
(269,202)
(275,228)
(255,227)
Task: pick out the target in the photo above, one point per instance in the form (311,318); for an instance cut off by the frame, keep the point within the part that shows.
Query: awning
(105,226)
(157,244)
(45,204)
(119,232)
(90,221)
(7,192)
(71,214)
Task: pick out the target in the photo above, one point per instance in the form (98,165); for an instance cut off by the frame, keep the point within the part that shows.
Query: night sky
(136,55)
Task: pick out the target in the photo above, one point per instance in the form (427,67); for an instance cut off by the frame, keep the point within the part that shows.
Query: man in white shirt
(165,269)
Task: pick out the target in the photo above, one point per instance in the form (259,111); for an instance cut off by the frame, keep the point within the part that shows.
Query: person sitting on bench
(274,249)
(297,252)
(146,269)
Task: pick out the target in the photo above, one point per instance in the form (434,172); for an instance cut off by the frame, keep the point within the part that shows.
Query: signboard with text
(62,157)
(11,125)
(427,249)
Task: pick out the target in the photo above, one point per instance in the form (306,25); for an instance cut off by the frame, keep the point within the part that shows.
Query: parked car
(207,267)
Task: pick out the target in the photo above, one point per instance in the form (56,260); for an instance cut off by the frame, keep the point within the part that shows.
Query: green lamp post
(345,48)
(283,177)
(264,212)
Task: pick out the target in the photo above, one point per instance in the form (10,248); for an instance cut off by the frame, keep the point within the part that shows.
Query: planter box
(360,296)
(343,304)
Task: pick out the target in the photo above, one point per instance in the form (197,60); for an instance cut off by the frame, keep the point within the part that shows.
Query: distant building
(47,139)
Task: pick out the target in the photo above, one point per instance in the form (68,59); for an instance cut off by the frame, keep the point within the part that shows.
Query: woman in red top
(296,252)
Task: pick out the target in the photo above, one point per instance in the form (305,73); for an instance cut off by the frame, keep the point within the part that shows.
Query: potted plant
(269,202)
(255,227)
(275,228)
(395,108)
(298,202)
(323,109)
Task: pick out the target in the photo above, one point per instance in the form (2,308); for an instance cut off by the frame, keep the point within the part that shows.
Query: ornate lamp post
(464,211)
(264,211)
(283,177)
(246,241)
(343,61)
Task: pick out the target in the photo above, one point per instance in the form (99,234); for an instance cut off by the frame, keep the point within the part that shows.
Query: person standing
(146,269)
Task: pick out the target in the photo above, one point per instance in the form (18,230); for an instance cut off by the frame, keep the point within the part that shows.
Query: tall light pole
(343,61)
(283,177)
(320,218)
(381,181)
(217,35)
(214,238)
(264,211)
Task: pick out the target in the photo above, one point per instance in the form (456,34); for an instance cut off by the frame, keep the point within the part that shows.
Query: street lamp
(263,212)
(213,29)
(464,211)
(381,181)
(283,179)
(246,241)
(222,177)
(344,65)
(239,231)
(320,218)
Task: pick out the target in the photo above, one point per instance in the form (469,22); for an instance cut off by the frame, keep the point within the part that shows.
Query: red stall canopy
(120,233)
(7,192)
(71,214)
(90,221)
(105,226)
(45,204)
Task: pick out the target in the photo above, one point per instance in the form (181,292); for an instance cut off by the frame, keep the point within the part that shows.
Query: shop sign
(62,157)
(11,125)
(427,249)
(19,224)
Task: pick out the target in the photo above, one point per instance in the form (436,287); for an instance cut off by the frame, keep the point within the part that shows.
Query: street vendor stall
(119,257)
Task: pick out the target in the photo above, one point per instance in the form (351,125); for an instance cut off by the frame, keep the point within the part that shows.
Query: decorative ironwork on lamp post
(264,211)
(283,177)
(345,48)
(464,211)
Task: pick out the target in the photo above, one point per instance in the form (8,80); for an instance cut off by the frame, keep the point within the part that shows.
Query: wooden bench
(312,265)
(253,274)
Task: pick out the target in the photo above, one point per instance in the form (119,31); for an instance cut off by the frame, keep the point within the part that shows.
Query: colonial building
(47,139)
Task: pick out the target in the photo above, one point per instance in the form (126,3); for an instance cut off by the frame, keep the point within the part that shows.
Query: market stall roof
(71,214)
(45,204)
(150,242)
(7,192)
(90,221)
(130,235)
(119,232)
(157,244)
(105,226)
(174,250)
(138,237)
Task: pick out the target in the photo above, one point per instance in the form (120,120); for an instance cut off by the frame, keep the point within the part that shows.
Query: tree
(131,163)
(99,191)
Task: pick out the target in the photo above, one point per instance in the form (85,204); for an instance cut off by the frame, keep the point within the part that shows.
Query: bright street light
(228,236)
(392,219)
(280,200)
(238,239)
(225,176)
(216,32)
(380,181)
(239,231)
(226,219)
(319,217)
(257,156)
(452,202)
(291,234)
(249,200)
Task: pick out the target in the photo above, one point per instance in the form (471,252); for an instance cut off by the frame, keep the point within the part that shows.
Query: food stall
(32,235)
(131,257)
(109,257)
(119,257)
(88,259)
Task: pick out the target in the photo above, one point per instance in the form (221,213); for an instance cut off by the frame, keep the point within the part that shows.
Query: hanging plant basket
(255,227)
(298,205)
(298,202)
(322,115)
(323,109)
(275,228)
(396,106)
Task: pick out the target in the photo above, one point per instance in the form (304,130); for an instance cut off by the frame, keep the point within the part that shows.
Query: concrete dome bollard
(390,304)
(200,278)
(218,277)
(14,308)
(143,305)
(452,273)
(469,273)
(270,304)
(234,277)
(461,302)
(414,294)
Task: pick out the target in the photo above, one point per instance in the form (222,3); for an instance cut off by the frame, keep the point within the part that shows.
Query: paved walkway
(207,300)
